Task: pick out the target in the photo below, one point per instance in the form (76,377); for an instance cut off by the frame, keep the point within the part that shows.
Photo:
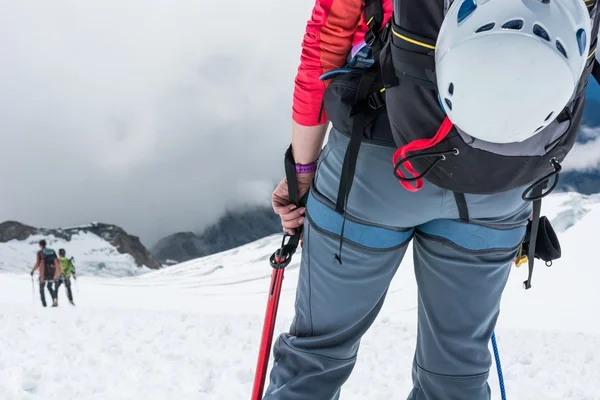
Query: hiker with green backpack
(450,121)
(68,269)
(50,270)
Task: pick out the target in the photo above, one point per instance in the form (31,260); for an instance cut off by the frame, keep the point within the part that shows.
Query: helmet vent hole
(448,103)
(515,25)
(581,40)
(541,32)
(539,129)
(466,9)
(451,89)
(549,116)
(486,27)
(561,48)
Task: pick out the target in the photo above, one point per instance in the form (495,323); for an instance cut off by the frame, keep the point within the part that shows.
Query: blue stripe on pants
(370,236)
(474,237)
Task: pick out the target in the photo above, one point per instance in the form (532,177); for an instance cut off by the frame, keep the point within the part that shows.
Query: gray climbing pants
(461,270)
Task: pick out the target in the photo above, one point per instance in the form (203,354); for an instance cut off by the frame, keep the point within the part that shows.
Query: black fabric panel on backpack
(413,58)
(414,32)
(422,18)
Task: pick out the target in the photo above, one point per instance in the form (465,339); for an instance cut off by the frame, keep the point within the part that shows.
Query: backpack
(48,258)
(67,266)
(49,255)
(403,79)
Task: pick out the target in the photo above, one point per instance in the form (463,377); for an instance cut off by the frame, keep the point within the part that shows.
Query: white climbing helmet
(506,68)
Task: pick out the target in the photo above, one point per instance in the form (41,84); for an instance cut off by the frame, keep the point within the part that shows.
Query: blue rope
(498,366)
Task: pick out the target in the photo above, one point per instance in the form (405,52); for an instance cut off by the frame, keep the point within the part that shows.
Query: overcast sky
(155,115)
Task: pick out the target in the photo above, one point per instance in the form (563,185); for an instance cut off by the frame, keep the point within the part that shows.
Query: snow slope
(192,331)
(93,255)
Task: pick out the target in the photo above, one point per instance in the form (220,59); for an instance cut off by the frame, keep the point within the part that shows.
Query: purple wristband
(306,168)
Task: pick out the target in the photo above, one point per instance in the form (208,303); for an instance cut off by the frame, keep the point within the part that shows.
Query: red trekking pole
(279,260)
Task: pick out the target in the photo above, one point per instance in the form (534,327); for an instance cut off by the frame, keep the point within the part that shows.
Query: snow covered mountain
(98,249)
(192,331)
(234,229)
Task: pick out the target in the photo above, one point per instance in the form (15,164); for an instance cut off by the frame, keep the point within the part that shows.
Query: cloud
(585,156)
(155,114)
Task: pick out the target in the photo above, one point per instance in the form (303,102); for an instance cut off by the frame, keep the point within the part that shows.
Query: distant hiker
(502,82)
(50,270)
(68,270)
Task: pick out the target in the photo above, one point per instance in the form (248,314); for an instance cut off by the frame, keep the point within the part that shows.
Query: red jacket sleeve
(335,25)
(327,42)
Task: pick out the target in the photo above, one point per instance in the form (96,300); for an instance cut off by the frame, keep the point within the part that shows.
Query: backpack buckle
(370,36)
(376,100)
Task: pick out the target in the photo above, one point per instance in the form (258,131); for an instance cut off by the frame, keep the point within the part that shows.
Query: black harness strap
(596,71)
(461,203)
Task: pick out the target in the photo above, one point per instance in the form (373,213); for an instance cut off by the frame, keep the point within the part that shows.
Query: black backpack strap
(376,34)
(535,223)
(374,14)
(365,101)
(361,105)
